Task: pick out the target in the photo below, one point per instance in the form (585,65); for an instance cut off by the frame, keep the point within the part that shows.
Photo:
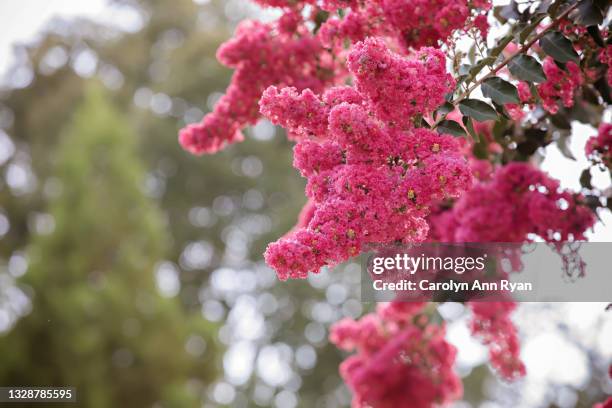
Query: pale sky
(22,20)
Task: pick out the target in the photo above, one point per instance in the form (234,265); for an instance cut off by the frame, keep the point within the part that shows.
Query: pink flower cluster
(401,359)
(516,110)
(371,176)
(412,23)
(400,90)
(559,85)
(507,205)
(284,53)
(518,200)
(599,148)
(424,22)
(492,324)
(606,404)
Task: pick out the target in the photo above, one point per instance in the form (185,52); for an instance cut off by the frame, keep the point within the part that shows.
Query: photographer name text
(453,286)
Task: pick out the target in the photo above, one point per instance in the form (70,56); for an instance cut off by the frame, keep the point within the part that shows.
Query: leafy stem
(523,49)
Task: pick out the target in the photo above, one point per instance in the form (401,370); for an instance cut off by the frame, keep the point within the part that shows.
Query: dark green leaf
(527,148)
(584,113)
(500,109)
(589,13)
(559,47)
(593,202)
(447,107)
(499,129)
(560,121)
(501,45)
(590,95)
(469,125)
(603,88)
(554,8)
(500,91)
(481,64)
(562,66)
(585,179)
(320,18)
(524,34)
(477,109)
(596,35)
(534,139)
(526,68)
(450,127)
(536,135)
(565,151)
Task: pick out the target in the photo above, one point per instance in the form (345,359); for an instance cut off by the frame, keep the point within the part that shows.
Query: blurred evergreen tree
(98,322)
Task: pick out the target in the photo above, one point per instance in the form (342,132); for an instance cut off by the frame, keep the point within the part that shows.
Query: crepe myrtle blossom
(491,323)
(519,200)
(516,110)
(507,205)
(412,24)
(599,148)
(398,89)
(262,55)
(287,53)
(371,174)
(400,359)
(560,86)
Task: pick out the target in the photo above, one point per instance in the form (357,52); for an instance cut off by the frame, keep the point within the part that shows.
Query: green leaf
(596,35)
(564,148)
(450,127)
(501,45)
(585,179)
(589,13)
(527,68)
(500,91)
(524,34)
(480,65)
(477,109)
(469,125)
(561,121)
(603,88)
(446,108)
(559,47)
(527,148)
(500,109)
